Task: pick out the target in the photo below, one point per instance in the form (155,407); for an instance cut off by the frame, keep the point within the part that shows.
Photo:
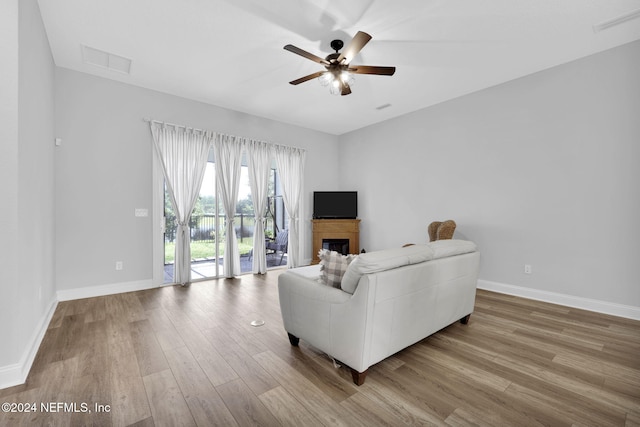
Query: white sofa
(388,300)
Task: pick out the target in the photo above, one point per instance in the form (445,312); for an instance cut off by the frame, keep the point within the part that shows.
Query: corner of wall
(17,373)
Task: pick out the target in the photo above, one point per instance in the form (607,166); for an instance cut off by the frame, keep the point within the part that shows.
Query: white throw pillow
(332,266)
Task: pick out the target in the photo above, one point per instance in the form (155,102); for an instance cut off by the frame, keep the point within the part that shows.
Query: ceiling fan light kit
(336,80)
(339,73)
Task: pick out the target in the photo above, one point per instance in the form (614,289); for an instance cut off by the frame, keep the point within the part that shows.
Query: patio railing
(203,227)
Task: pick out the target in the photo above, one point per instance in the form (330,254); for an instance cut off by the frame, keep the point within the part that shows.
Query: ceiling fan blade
(305,78)
(304,53)
(345,89)
(355,45)
(371,69)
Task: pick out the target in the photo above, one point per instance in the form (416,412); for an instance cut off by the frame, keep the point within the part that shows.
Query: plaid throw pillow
(332,266)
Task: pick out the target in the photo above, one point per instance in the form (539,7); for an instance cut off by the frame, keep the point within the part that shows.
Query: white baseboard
(16,374)
(620,310)
(101,290)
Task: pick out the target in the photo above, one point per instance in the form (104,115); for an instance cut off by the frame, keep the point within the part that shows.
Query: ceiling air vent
(106,60)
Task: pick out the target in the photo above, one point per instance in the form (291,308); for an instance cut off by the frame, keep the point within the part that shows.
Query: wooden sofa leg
(465,319)
(358,377)
(293,340)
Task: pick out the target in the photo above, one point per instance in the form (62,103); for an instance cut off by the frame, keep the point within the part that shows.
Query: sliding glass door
(208,227)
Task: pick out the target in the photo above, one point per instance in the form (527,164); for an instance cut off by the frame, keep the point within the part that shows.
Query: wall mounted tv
(335,204)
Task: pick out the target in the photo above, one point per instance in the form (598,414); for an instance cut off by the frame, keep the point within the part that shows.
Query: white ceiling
(230,52)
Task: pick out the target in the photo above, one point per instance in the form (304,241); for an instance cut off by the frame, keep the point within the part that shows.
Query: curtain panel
(259,162)
(228,157)
(183,155)
(290,162)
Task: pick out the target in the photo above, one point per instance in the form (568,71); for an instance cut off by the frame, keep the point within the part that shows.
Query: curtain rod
(149,120)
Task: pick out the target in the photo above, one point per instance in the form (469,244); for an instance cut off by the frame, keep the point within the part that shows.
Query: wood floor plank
(332,380)
(245,406)
(287,409)
(128,396)
(205,404)
(557,411)
(317,403)
(166,333)
(602,367)
(167,402)
(94,353)
(188,373)
(432,356)
(576,386)
(23,418)
(95,310)
(92,389)
(212,363)
(391,407)
(148,352)
(56,381)
(253,375)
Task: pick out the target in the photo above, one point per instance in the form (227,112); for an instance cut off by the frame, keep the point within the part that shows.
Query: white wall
(28,288)
(9,350)
(542,170)
(104,172)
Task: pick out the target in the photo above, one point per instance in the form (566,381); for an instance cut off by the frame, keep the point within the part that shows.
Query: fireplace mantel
(335,229)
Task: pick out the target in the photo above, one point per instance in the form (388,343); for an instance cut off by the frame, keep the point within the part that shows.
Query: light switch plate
(142,212)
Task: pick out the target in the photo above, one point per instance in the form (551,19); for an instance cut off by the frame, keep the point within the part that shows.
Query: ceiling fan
(338,73)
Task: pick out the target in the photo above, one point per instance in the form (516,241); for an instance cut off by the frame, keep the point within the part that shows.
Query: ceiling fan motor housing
(332,57)
(336,45)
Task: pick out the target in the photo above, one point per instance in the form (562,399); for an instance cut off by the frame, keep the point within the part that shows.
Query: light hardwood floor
(188,356)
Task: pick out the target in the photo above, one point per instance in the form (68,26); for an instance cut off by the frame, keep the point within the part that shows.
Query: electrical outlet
(119,265)
(528,269)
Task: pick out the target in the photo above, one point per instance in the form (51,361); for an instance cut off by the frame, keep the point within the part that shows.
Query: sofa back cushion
(447,248)
(373,262)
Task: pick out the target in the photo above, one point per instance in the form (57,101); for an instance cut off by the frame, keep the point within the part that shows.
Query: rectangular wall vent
(106,60)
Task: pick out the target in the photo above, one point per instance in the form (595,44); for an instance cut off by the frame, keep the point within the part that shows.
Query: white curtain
(290,162)
(259,159)
(228,157)
(183,153)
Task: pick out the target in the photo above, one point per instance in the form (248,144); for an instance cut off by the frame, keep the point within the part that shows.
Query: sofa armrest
(327,318)
(305,305)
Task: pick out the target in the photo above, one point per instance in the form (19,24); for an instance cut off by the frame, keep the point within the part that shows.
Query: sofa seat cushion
(373,262)
(309,271)
(447,248)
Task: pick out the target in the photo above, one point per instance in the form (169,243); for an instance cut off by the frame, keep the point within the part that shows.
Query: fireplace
(340,235)
(338,245)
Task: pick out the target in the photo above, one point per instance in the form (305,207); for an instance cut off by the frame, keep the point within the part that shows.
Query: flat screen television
(335,204)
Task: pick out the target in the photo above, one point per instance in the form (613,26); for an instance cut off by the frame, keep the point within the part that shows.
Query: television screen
(335,204)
